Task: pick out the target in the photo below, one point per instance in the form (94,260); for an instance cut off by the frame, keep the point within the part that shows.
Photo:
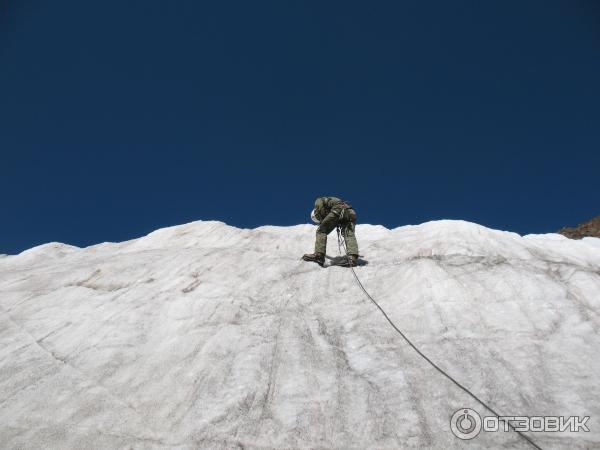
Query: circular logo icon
(465,423)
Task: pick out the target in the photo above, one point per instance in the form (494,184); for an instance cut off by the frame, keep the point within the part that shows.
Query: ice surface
(208,336)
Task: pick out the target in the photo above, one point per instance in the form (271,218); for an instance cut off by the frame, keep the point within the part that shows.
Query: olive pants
(347,224)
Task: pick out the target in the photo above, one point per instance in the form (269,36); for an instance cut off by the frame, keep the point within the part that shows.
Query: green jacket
(327,205)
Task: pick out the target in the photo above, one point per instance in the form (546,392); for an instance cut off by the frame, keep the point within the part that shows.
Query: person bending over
(329,213)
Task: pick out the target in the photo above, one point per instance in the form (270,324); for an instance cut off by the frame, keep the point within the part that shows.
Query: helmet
(313,216)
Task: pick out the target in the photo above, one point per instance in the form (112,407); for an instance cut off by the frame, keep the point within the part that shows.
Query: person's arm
(328,223)
(320,205)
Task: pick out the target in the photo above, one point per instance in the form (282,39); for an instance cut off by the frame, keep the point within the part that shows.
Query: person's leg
(350,238)
(327,226)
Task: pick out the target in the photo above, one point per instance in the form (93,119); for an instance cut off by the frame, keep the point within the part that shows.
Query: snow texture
(208,336)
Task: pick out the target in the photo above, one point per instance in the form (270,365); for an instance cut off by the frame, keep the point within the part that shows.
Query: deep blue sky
(120,117)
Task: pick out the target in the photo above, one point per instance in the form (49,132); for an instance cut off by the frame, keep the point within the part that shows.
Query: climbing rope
(342,243)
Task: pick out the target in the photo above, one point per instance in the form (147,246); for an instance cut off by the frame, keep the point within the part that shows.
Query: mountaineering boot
(319,258)
(349,261)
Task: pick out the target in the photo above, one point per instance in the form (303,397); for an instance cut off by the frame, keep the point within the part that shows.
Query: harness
(344,207)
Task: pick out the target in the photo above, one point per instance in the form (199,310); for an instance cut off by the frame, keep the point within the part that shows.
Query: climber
(329,213)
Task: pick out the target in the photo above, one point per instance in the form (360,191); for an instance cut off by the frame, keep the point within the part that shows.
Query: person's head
(313,217)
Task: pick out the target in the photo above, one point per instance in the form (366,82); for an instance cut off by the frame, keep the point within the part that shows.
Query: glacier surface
(209,336)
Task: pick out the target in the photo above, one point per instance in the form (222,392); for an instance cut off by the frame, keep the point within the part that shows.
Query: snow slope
(208,336)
